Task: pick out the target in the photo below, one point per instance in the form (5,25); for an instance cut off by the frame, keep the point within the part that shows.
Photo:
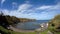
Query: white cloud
(48,13)
(51,12)
(54,8)
(44,7)
(3,1)
(5,11)
(24,7)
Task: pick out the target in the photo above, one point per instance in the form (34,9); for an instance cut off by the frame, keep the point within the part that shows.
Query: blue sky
(33,9)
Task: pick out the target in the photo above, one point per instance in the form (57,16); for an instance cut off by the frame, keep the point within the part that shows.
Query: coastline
(20,30)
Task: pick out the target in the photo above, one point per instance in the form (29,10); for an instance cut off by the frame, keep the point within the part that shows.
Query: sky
(33,9)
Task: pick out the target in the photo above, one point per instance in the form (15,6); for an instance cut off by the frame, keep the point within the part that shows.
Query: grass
(13,32)
(5,31)
(44,32)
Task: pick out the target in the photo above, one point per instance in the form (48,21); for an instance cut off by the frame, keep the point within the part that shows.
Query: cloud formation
(44,7)
(29,11)
(23,7)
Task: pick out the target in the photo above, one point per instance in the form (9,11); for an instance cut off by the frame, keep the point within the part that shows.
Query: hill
(54,24)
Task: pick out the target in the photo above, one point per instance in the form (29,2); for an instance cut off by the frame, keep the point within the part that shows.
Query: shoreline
(20,30)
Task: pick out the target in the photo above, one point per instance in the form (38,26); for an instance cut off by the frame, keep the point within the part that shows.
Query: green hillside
(54,25)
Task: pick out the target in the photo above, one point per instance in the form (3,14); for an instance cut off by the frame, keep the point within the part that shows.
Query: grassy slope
(13,32)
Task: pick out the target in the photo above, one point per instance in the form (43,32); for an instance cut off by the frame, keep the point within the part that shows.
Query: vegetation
(54,25)
(5,31)
(26,20)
